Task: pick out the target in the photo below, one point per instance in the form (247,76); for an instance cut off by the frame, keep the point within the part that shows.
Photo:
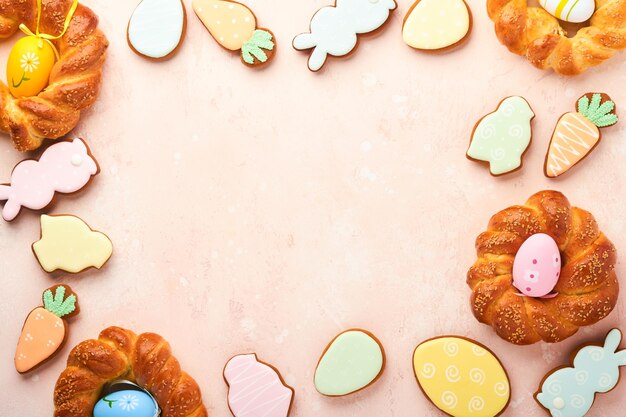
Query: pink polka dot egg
(537,266)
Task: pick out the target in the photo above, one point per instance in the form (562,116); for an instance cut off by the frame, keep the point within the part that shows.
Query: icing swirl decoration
(471,380)
(477,375)
(449,399)
(452,374)
(428,370)
(451,348)
(476,404)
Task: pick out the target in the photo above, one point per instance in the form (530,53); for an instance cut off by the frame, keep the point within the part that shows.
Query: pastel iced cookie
(256,389)
(234,27)
(461,377)
(334,29)
(571,391)
(69,244)
(65,167)
(354,360)
(45,329)
(501,138)
(433,25)
(537,266)
(157,28)
(577,134)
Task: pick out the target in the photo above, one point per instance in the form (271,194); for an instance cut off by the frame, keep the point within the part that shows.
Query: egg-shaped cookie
(461,377)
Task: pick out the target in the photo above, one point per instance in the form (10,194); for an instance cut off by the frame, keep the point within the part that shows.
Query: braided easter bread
(120,354)
(587,288)
(534,33)
(74,80)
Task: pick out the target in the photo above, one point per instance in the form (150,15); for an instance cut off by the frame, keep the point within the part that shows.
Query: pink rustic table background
(266,211)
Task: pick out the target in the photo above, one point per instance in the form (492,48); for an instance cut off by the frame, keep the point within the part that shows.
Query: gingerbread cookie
(353,360)
(45,328)
(334,29)
(570,391)
(234,27)
(502,138)
(437,25)
(461,377)
(573,11)
(578,133)
(256,389)
(157,28)
(65,167)
(69,244)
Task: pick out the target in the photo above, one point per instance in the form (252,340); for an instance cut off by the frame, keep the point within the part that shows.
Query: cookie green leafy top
(58,304)
(599,113)
(253,48)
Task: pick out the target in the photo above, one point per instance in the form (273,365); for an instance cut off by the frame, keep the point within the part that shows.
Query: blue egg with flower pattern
(127,403)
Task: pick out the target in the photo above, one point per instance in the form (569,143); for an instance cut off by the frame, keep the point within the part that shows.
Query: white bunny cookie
(334,29)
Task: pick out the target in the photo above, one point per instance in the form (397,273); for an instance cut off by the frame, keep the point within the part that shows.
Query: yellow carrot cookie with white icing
(578,133)
(234,27)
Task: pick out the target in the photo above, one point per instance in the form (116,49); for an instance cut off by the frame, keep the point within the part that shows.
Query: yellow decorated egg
(461,377)
(29,66)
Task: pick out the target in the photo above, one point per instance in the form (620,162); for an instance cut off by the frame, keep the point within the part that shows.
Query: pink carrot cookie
(64,167)
(256,389)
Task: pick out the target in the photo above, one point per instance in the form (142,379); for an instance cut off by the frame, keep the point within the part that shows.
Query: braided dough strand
(75,78)
(534,33)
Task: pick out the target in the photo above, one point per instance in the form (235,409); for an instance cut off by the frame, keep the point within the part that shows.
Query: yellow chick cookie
(69,244)
(234,27)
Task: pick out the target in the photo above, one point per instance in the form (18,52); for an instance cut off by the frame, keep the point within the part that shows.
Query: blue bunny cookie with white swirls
(570,392)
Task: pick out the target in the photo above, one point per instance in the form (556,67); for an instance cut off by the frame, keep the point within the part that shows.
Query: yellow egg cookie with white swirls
(461,377)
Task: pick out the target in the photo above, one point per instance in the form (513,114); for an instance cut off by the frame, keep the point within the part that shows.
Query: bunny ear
(621,357)
(612,340)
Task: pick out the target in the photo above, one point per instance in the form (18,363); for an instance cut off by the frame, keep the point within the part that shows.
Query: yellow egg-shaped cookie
(29,65)
(461,377)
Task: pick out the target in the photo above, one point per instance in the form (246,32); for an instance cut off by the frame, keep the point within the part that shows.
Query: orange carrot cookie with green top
(45,328)
(578,133)
(234,27)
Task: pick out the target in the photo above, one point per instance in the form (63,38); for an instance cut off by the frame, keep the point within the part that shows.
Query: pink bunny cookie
(64,167)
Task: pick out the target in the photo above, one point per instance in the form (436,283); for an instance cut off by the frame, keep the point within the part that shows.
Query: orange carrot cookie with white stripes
(578,133)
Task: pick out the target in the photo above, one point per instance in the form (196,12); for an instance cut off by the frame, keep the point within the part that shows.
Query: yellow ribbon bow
(44,37)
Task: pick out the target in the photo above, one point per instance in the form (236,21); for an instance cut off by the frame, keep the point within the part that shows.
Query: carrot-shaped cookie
(45,329)
(578,133)
(233,25)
